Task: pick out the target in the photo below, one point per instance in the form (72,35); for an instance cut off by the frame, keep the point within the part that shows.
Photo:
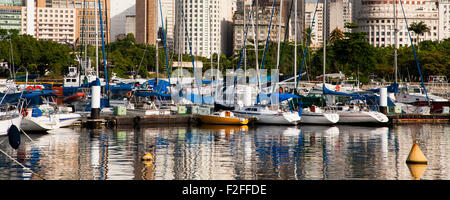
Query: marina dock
(112,121)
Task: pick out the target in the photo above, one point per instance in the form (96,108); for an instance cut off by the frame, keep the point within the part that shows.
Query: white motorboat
(265,115)
(47,120)
(316,115)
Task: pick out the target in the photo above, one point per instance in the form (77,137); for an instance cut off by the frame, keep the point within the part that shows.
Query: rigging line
(190,50)
(164,40)
(307,44)
(51,158)
(415,55)
(25,168)
(268,36)
(244,46)
(103,46)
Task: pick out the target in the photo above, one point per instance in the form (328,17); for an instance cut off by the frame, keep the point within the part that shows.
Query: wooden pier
(111,121)
(419,118)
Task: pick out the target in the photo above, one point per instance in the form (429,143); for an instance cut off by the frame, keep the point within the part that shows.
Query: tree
(336,34)
(419,28)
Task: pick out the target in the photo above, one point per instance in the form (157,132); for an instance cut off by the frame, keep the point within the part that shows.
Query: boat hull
(68,119)
(39,124)
(320,118)
(208,119)
(362,118)
(5,124)
(274,119)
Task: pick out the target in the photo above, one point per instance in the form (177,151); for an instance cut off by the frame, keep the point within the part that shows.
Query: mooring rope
(50,157)
(26,168)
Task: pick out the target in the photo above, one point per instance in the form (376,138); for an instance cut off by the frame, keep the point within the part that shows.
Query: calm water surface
(229,153)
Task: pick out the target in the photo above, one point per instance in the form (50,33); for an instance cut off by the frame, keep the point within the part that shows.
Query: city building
(376,18)
(146,21)
(317,27)
(11,14)
(120,9)
(55,24)
(444,19)
(202,20)
(130,24)
(265,14)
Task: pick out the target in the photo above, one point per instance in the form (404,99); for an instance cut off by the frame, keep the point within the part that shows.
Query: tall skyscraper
(444,19)
(120,9)
(146,21)
(201,19)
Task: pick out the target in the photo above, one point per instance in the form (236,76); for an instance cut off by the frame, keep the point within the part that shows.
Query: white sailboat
(265,115)
(316,115)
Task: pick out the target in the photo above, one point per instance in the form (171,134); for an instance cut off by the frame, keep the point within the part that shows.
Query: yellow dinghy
(223,118)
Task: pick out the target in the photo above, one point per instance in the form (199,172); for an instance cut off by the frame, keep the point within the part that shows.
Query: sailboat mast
(295,40)
(245,49)
(279,34)
(324,30)
(395,42)
(257,44)
(96,38)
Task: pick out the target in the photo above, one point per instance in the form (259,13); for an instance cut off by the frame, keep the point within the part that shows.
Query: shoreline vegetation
(347,52)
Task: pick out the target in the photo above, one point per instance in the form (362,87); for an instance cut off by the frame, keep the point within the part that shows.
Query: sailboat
(349,114)
(312,114)
(264,113)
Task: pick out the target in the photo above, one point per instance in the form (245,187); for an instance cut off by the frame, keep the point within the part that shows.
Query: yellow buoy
(417,170)
(147,157)
(416,156)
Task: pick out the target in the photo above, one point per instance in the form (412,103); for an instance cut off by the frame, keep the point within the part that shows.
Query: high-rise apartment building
(317,27)
(264,17)
(84,17)
(444,19)
(202,21)
(11,14)
(377,19)
(146,21)
(55,24)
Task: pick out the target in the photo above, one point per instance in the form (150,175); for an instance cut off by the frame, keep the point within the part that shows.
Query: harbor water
(229,153)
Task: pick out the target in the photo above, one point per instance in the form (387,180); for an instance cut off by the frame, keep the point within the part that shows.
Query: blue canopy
(327,91)
(393,88)
(281,96)
(40,93)
(163,86)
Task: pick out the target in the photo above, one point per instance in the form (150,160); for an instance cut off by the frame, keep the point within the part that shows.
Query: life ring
(37,87)
(338,88)
(24,112)
(129,94)
(30,88)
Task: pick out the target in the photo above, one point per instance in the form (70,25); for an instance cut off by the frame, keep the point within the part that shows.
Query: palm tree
(336,35)
(419,28)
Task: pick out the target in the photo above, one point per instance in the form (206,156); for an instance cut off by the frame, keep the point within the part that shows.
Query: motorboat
(7,119)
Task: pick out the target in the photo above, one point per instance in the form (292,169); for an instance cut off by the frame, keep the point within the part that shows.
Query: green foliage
(38,57)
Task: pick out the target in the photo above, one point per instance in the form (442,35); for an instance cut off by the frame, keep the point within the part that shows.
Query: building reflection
(229,153)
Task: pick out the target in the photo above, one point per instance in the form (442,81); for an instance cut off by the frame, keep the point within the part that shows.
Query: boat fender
(338,88)
(129,94)
(24,112)
(14,136)
(136,121)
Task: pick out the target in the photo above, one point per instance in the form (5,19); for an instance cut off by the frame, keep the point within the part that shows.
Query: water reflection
(229,153)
